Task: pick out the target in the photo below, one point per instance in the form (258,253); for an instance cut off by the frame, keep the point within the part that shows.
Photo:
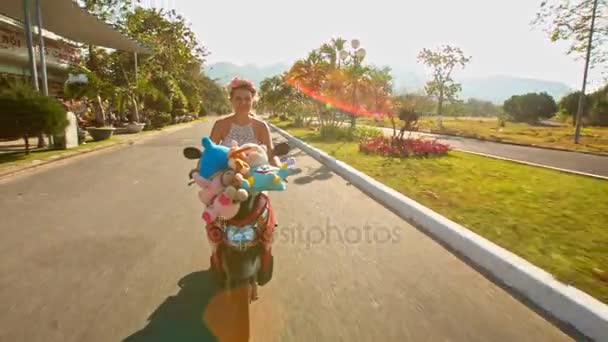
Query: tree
(443,61)
(110,11)
(577,23)
(569,105)
(595,107)
(175,67)
(311,76)
(273,95)
(598,113)
(214,98)
(571,21)
(336,81)
(530,107)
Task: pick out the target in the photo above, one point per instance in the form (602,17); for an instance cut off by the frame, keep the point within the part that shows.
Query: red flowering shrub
(395,147)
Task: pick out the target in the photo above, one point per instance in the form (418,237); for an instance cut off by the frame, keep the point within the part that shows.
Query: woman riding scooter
(243,127)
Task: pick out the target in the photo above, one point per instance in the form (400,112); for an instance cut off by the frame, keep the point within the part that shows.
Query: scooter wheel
(218,275)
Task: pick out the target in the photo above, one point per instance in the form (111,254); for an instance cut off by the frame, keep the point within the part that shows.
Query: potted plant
(84,84)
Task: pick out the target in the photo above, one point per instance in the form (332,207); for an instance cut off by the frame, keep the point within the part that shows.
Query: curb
(519,144)
(12,170)
(565,303)
(534,164)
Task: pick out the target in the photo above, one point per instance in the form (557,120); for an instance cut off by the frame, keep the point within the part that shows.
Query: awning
(66,19)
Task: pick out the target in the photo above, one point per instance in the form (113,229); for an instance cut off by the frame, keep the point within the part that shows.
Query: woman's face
(242,100)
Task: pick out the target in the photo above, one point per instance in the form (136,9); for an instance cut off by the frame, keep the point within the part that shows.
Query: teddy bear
(237,159)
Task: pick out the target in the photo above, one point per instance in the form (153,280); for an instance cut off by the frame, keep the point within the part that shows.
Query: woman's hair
(238,83)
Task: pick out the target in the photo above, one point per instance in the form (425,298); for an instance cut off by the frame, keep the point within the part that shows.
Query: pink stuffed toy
(209,188)
(227,205)
(218,183)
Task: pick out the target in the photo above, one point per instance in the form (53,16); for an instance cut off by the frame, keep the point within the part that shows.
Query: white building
(60,54)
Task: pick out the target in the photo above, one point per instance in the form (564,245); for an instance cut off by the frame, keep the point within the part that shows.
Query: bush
(333,133)
(401,148)
(599,114)
(159,120)
(283,117)
(26,113)
(364,133)
(530,107)
(180,112)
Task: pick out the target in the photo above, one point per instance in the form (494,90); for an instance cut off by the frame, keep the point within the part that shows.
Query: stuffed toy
(237,159)
(255,155)
(265,178)
(227,204)
(220,181)
(213,159)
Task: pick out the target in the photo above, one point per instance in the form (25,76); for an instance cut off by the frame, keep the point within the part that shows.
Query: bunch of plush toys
(228,176)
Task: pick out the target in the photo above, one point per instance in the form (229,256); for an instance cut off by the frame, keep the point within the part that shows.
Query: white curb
(565,303)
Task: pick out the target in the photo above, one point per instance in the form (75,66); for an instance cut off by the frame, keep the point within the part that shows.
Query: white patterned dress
(241,134)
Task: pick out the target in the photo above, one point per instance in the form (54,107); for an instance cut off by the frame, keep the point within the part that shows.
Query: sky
(497,34)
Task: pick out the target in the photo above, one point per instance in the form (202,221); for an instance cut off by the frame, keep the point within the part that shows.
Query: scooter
(243,261)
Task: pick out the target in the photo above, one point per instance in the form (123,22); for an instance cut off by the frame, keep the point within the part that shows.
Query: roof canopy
(66,19)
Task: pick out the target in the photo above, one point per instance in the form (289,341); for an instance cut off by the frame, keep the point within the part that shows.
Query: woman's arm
(216,132)
(267,140)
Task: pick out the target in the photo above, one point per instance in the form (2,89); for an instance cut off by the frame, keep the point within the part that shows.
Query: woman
(242,126)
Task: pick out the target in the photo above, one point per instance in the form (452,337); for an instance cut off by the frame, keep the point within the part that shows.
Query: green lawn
(555,220)
(593,139)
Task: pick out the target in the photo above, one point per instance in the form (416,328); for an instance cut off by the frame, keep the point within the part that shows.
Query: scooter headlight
(240,237)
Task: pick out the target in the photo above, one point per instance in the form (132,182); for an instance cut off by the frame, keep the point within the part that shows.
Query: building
(14,60)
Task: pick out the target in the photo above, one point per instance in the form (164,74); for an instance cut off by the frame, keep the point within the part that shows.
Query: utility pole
(581,99)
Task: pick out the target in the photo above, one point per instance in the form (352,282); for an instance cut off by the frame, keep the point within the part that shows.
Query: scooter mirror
(281,149)
(192,153)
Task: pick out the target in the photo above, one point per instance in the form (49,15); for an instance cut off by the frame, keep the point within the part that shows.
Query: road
(110,247)
(579,162)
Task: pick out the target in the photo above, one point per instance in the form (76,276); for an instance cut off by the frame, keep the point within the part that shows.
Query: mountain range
(490,88)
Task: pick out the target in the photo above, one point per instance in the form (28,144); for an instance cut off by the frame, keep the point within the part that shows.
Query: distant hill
(492,88)
(499,88)
(224,71)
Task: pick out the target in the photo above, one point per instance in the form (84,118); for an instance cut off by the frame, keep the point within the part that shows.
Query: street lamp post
(356,57)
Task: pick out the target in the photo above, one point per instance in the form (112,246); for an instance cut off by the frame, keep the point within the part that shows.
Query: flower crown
(237,82)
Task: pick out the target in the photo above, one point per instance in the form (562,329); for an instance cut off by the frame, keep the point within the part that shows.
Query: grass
(555,220)
(593,139)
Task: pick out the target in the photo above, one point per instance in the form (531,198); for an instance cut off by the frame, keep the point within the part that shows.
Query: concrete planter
(135,127)
(101,133)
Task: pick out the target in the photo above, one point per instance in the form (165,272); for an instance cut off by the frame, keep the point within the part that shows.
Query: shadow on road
(180,317)
(199,312)
(322,173)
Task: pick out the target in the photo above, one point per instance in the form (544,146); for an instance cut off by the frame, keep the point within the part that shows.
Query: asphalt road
(574,161)
(110,246)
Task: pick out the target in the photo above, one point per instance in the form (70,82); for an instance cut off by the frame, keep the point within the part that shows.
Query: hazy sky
(496,33)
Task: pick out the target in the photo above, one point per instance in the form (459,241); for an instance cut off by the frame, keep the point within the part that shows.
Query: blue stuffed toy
(213,159)
(266,178)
